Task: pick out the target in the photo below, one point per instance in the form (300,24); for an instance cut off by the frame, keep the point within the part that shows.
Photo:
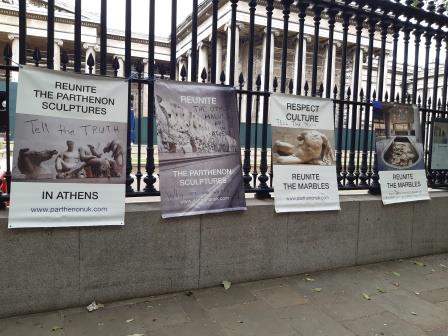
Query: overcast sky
(140,14)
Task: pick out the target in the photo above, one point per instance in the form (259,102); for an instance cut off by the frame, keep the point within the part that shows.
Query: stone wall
(44,269)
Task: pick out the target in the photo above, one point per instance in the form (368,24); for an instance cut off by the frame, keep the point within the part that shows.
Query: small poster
(69,157)
(303,154)
(399,151)
(439,149)
(199,150)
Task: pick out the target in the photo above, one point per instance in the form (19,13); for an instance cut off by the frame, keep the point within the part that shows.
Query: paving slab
(126,320)
(219,297)
(309,320)
(435,295)
(251,319)
(35,325)
(343,308)
(281,296)
(384,323)
(410,308)
(288,306)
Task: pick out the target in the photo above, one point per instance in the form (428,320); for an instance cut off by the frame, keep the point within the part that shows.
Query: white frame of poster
(304,163)
(431,147)
(399,150)
(68,167)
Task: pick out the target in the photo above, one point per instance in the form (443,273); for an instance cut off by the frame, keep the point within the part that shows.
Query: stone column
(385,83)
(361,66)
(90,50)
(218,55)
(306,40)
(145,89)
(15,55)
(218,58)
(274,34)
(203,60)
(189,65)
(237,51)
(57,54)
(120,58)
(336,45)
(180,64)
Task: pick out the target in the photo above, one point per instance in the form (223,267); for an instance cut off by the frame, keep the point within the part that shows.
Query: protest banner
(69,151)
(439,145)
(303,154)
(199,150)
(399,153)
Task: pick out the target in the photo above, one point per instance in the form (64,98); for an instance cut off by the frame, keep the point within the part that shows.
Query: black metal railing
(381,20)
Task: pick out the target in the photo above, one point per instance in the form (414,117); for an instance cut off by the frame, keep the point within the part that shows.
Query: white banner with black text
(303,154)
(69,157)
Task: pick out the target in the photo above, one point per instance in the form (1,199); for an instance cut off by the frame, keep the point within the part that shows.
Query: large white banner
(69,151)
(303,154)
(399,152)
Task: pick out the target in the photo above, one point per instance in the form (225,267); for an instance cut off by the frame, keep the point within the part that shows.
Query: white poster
(69,157)
(399,152)
(439,157)
(303,154)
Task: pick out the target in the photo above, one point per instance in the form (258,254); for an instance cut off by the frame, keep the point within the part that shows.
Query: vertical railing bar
(428,37)
(396,34)
(257,110)
(438,39)
(331,22)
(173,39)
(250,69)
(364,175)
(127,74)
(139,174)
(317,12)
(445,78)
(150,180)
(77,59)
(286,11)
(358,132)
(303,5)
(103,38)
(383,66)
(345,23)
(417,38)
(346,145)
(214,40)
(404,85)
(8,55)
(263,178)
(50,34)
(351,166)
(22,31)
(232,43)
(370,152)
(194,42)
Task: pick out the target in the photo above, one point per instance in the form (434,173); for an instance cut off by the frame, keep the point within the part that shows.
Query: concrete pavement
(398,298)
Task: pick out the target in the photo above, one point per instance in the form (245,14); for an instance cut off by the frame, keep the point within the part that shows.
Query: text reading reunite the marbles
(307,181)
(405,180)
